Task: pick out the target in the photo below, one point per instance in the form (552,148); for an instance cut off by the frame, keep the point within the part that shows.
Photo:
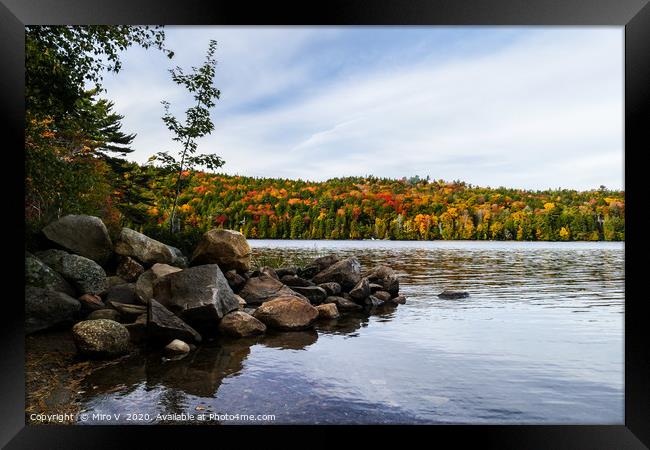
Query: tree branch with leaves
(197,123)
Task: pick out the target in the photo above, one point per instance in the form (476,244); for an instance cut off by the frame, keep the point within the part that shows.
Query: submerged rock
(101,338)
(453,295)
(84,235)
(227,248)
(240,324)
(286,313)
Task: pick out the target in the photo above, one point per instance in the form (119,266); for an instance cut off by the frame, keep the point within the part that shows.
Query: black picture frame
(634,15)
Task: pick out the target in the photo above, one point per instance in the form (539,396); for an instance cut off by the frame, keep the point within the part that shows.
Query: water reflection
(540,339)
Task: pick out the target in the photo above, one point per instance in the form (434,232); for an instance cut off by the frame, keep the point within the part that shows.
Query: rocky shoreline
(116,298)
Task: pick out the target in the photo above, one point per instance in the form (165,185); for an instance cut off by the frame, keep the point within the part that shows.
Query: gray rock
(138,329)
(84,235)
(52,257)
(45,309)
(270,271)
(129,269)
(143,248)
(109,314)
(122,293)
(346,272)
(331,288)
(373,301)
(178,259)
(264,288)
(296,281)
(240,324)
(40,275)
(200,295)
(101,338)
(384,276)
(361,290)
(144,285)
(115,281)
(286,313)
(235,281)
(163,325)
(453,295)
(129,311)
(314,294)
(85,275)
(343,304)
(227,248)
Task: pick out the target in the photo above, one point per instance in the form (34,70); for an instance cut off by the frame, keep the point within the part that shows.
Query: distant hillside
(364,208)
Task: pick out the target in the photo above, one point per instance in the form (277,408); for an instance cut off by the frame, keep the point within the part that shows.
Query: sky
(521,107)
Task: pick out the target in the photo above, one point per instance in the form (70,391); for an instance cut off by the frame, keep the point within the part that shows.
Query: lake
(539,340)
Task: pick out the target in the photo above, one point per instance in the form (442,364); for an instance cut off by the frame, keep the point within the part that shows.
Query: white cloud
(544,111)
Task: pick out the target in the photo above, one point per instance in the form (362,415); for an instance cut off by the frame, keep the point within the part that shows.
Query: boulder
(109,314)
(282,271)
(138,329)
(242,302)
(85,275)
(101,338)
(177,347)
(129,269)
(270,272)
(384,296)
(144,249)
(240,324)
(399,300)
(331,288)
(373,301)
(115,281)
(361,290)
(200,295)
(343,304)
(235,281)
(129,311)
(52,257)
(346,272)
(84,235)
(327,311)
(286,313)
(40,275)
(227,248)
(314,294)
(178,259)
(453,295)
(45,309)
(374,287)
(163,325)
(263,288)
(122,293)
(144,285)
(90,302)
(295,281)
(384,276)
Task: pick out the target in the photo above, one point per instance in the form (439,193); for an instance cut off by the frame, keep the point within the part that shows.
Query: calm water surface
(540,340)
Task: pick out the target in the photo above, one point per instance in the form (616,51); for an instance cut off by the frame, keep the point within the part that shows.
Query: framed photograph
(330,218)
